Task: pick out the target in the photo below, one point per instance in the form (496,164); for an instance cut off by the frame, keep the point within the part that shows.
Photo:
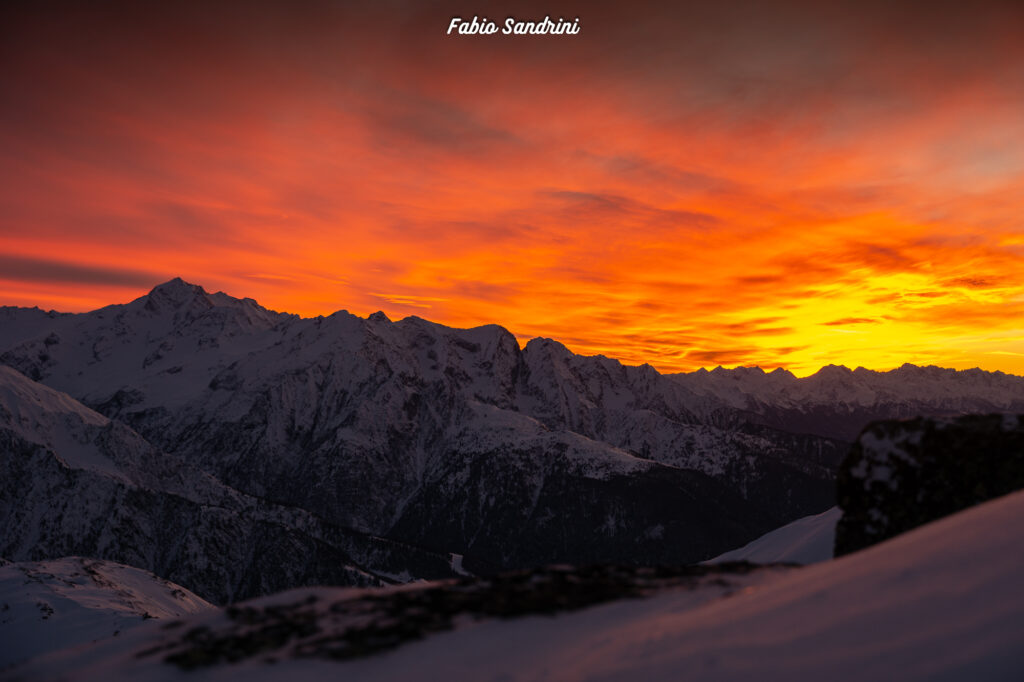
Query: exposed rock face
(902,474)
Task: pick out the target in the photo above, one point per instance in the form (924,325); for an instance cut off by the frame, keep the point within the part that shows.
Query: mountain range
(238,451)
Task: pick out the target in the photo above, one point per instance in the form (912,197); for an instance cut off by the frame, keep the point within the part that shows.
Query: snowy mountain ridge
(77,483)
(180,310)
(941,388)
(453,441)
(458,440)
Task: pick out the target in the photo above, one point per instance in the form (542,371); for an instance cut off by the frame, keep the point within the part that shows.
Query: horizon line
(520,337)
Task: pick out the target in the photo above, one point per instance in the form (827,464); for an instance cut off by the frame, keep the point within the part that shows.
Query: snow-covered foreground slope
(56,604)
(942,602)
(805,541)
(344,624)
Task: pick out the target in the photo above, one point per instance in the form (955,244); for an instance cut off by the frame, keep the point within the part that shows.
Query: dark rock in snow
(902,474)
(374,621)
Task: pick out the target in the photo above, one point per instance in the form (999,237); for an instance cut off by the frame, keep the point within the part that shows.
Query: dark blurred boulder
(902,474)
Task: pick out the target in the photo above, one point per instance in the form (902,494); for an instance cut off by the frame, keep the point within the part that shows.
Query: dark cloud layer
(41,270)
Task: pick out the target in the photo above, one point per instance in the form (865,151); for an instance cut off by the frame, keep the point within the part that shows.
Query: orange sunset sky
(774,183)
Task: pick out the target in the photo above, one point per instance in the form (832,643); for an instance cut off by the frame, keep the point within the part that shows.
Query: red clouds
(744,185)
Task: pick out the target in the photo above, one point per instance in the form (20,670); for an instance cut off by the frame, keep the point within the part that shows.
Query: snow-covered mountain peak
(188,303)
(746,371)
(546,345)
(176,295)
(176,289)
(830,371)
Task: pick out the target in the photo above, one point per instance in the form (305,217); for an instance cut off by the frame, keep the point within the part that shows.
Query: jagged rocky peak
(833,372)
(547,352)
(173,294)
(645,371)
(188,302)
(487,334)
(492,333)
(489,349)
(909,370)
(541,343)
(11,311)
(176,293)
(838,382)
(176,288)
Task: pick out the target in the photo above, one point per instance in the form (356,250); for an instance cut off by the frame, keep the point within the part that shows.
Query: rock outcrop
(903,474)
